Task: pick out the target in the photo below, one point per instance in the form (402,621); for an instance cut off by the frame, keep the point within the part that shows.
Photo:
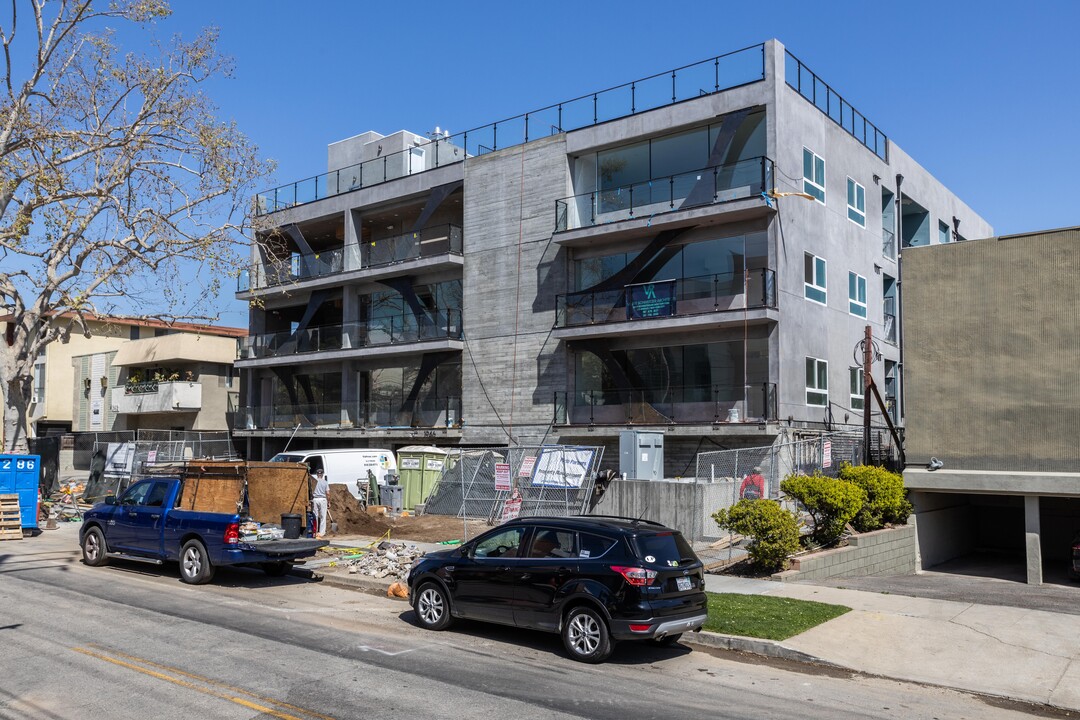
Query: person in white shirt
(318,502)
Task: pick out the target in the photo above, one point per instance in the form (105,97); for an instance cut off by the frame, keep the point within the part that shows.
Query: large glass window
(681,153)
(813,175)
(856,381)
(814,278)
(39,378)
(817,382)
(856,203)
(856,294)
(943,232)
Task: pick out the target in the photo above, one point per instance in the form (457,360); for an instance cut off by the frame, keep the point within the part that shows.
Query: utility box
(390,496)
(641,455)
(20,475)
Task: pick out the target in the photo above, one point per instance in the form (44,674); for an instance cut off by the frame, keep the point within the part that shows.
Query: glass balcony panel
(700,403)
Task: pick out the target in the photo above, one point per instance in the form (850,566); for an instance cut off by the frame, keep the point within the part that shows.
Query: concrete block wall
(883,552)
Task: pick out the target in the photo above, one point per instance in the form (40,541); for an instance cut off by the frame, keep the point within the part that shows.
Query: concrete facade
(523,369)
(990,328)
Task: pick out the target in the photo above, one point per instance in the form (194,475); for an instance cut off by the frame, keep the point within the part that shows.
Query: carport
(1024,538)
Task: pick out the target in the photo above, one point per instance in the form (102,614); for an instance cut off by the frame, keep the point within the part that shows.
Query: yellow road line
(204,690)
(211,681)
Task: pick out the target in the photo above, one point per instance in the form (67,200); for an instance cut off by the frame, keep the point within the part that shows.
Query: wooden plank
(212,487)
(275,489)
(11,534)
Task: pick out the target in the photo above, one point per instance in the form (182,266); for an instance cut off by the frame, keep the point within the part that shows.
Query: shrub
(832,503)
(886,499)
(773,531)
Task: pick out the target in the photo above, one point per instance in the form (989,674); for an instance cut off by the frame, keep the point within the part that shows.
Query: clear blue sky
(986,96)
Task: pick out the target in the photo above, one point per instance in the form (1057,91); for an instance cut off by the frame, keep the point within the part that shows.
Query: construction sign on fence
(502,476)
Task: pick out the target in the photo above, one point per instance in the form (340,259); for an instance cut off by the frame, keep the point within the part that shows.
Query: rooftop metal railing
(723,72)
(828,101)
(734,181)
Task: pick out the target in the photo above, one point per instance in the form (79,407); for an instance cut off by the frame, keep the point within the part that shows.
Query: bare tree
(117,181)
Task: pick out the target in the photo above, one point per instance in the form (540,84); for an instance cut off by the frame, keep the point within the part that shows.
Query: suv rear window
(669,549)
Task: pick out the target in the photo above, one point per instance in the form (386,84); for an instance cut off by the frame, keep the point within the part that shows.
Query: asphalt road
(132,641)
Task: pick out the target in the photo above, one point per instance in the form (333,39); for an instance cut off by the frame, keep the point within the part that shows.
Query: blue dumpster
(20,475)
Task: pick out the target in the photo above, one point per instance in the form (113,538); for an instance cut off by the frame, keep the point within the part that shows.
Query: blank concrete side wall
(884,552)
(510,282)
(677,505)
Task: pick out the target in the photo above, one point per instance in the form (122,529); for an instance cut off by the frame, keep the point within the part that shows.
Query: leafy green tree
(117,177)
(886,499)
(773,531)
(832,503)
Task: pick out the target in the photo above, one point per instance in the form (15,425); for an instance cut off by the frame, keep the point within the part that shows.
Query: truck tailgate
(301,546)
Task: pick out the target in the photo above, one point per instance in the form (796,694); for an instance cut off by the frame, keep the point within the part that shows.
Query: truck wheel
(195,567)
(94,551)
(276,569)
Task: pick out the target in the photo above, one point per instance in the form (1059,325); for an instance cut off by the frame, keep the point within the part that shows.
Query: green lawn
(765,616)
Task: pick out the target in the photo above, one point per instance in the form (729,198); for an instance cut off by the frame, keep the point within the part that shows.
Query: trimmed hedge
(774,532)
(886,499)
(831,502)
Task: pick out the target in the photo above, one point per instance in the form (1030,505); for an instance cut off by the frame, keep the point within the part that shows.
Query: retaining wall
(882,552)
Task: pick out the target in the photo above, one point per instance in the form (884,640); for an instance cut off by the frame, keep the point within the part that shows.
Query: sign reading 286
(19,464)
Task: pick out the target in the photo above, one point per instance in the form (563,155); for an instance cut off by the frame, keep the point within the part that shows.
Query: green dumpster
(419,469)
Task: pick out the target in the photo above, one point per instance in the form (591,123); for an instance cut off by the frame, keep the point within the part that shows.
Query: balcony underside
(735,211)
(712,320)
(377,352)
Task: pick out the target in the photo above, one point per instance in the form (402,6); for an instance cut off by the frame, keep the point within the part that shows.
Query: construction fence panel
(118,463)
(555,480)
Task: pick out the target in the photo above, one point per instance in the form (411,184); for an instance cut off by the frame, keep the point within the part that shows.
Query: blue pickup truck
(147,523)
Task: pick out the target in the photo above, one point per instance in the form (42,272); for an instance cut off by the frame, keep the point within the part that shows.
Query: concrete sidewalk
(1029,655)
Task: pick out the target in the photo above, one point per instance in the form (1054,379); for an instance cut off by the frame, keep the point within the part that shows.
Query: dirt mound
(352,520)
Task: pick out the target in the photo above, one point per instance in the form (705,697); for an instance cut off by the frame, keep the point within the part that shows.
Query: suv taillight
(232,534)
(639,577)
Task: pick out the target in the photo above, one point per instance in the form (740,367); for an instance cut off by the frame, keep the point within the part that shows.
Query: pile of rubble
(387,560)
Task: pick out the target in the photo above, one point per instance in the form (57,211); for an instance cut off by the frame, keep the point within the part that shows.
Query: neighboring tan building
(618,260)
(992,345)
(81,384)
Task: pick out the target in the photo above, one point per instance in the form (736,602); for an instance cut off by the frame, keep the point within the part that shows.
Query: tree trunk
(17,393)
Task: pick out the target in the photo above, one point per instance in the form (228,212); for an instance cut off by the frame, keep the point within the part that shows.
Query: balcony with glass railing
(396,330)
(427,243)
(723,72)
(671,405)
(389,411)
(740,180)
(888,243)
(690,296)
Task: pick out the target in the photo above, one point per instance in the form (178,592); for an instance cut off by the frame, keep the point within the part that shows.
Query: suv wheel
(432,607)
(585,635)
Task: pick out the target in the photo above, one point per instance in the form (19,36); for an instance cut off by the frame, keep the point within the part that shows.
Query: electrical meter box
(641,455)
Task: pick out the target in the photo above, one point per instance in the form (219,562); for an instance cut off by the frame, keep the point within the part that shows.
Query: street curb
(755,646)
(360,583)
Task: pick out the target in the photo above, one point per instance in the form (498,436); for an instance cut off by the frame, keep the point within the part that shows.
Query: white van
(347,466)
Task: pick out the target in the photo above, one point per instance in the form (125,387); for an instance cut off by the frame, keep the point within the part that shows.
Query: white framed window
(856,291)
(813,171)
(856,203)
(817,382)
(814,287)
(856,381)
(39,379)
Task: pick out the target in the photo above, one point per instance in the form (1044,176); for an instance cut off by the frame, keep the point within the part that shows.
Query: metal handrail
(692,296)
(670,404)
(619,203)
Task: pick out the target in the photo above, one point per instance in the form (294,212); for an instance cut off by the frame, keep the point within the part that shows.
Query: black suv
(593,579)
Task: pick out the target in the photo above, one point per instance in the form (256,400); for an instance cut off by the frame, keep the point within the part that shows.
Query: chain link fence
(117,463)
(496,483)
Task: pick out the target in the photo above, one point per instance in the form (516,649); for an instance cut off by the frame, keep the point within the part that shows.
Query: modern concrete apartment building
(617,260)
(992,344)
